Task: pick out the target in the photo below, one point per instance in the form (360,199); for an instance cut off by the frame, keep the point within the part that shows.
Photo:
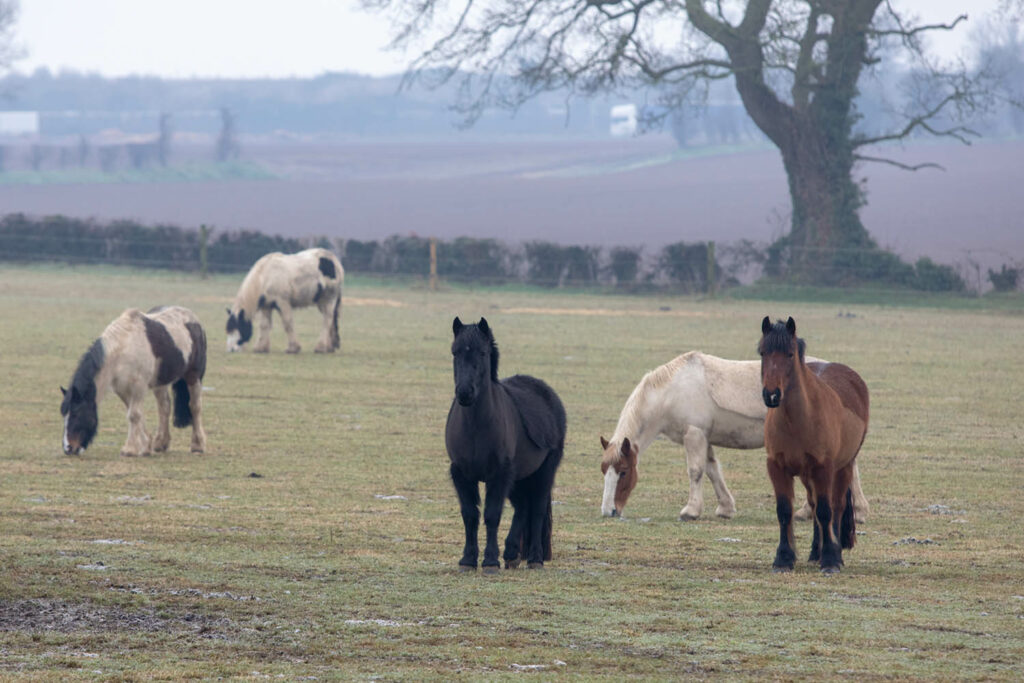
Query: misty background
(349,154)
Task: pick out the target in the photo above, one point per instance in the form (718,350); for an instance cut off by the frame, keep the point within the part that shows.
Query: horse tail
(335,335)
(848,526)
(182,407)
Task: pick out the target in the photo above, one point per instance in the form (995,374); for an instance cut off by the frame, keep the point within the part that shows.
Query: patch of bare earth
(42,614)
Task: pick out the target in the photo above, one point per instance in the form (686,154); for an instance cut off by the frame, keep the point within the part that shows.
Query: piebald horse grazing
(698,401)
(509,434)
(282,282)
(817,420)
(137,352)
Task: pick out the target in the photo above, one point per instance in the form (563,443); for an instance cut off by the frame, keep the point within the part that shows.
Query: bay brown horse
(816,423)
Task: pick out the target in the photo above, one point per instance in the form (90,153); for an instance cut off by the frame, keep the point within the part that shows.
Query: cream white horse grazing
(698,401)
(282,282)
(138,352)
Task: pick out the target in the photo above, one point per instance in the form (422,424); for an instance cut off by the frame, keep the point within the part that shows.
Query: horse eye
(622,474)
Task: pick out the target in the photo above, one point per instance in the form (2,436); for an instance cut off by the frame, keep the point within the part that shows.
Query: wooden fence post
(433,264)
(711,269)
(204,238)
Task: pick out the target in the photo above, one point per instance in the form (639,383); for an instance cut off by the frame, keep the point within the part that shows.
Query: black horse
(510,435)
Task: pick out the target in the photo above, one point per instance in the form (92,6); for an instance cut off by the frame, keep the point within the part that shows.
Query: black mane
(779,340)
(84,379)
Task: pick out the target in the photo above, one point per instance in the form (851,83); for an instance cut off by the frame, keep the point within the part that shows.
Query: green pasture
(318,538)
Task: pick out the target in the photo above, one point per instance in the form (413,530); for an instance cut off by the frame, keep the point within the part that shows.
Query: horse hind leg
(860,501)
(195,404)
(328,341)
(162,439)
(726,507)
(516,541)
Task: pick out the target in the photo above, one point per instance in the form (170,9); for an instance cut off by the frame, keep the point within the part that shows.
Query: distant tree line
(696,267)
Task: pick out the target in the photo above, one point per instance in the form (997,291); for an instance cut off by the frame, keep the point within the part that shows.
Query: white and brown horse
(699,401)
(138,352)
(282,282)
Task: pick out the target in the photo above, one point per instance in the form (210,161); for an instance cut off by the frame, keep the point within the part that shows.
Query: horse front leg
(695,444)
(162,438)
(785,556)
(831,557)
(468,492)
(266,323)
(288,321)
(137,442)
(494,501)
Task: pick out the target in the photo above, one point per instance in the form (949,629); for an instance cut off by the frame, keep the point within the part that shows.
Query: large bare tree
(795,64)
(9,50)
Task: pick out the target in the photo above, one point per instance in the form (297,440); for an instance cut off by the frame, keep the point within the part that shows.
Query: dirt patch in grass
(65,617)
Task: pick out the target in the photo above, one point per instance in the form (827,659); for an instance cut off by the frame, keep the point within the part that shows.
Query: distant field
(632,192)
(319,536)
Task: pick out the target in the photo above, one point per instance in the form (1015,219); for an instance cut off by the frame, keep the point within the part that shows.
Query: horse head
(619,467)
(474,359)
(780,350)
(81,419)
(239,330)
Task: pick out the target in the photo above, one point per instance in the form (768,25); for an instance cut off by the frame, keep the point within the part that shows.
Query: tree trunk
(825,201)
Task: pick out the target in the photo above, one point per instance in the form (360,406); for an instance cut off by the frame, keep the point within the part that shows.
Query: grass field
(319,537)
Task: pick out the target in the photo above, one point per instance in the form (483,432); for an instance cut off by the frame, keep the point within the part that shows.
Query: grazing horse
(140,351)
(509,434)
(698,401)
(817,420)
(280,282)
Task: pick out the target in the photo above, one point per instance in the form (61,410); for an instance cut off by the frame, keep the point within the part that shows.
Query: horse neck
(797,398)
(248,294)
(638,422)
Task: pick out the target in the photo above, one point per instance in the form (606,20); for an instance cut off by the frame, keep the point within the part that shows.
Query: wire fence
(694,267)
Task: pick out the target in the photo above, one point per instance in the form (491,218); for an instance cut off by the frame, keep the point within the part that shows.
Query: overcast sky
(257,38)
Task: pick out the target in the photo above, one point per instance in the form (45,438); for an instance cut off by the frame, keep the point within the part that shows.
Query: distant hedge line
(681,266)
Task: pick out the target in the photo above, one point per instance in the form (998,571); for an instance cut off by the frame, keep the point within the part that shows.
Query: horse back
(540,410)
(848,385)
(178,343)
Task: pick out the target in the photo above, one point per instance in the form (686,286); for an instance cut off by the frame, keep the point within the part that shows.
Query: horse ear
(228,310)
(791,326)
(604,443)
(625,446)
(457,326)
(484,327)
(766,325)
(63,391)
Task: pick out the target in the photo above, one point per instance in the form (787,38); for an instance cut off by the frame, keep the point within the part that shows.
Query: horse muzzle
(772,399)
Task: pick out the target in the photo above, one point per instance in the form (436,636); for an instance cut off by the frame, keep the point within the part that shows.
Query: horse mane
(249,292)
(84,379)
(779,340)
(635,409)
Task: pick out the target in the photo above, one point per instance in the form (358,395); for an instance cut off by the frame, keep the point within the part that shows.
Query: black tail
(182,409)
(335,335)
(848,527)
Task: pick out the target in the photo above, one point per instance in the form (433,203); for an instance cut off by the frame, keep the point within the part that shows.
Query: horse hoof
(828,571)
(293,349)
(687,517)
(535,565)
(129,454)
(511,564)
(781,570)
(491,570)
(725,514)
(467,568)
